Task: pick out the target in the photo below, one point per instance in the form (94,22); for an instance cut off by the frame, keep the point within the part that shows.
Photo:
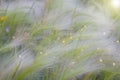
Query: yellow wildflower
(2,18)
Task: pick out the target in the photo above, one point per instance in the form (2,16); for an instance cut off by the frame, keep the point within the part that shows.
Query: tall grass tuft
(68,40)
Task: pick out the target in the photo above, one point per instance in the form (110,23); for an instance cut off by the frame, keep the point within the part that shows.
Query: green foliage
(12,20)
(58,54)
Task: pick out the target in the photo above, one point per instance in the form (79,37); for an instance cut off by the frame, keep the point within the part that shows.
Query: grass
(42,50)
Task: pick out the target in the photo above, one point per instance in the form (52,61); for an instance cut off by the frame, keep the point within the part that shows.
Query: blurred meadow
(59,39)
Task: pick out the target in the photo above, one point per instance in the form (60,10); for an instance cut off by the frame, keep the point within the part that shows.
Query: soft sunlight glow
(114,64)
(118,41)
(100,60)
(71,37)
(20,56)
(63,41)
(115,3)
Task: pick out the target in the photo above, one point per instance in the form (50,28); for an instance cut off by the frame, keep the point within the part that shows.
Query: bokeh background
(59,39)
